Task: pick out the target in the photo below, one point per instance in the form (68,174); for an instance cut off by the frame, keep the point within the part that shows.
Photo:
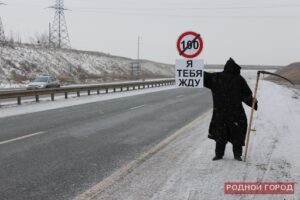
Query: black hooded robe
(229,90)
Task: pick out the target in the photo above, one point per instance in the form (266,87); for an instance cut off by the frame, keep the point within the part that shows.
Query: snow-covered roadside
(61,102)
(184,170)
(4,86)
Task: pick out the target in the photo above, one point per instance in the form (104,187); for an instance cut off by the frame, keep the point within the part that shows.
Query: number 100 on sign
(189,44)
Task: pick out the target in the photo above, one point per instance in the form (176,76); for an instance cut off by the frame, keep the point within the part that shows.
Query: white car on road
(41,82)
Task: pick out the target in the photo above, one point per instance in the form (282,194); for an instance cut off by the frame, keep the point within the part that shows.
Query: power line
(170,8)
(193,16)
(187,8)
(163,12)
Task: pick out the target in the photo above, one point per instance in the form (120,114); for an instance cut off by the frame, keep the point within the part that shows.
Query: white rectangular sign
(189,73)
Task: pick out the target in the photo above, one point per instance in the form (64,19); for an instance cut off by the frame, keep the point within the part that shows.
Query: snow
(60,102)
(20,62)
(184,169)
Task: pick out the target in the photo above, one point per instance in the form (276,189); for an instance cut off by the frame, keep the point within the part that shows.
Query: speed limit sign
(189,72)
(189,44)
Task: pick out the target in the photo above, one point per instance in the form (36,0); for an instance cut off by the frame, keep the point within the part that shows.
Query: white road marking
(137,107)
(20,138)
(180,96)
(92,193)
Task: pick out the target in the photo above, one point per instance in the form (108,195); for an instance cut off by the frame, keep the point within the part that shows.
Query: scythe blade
(273,74)
(253,103)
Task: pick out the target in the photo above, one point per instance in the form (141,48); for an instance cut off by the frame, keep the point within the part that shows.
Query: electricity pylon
(59,32)
(2,35)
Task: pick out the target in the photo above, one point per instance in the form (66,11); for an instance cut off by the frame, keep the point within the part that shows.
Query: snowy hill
(20,62)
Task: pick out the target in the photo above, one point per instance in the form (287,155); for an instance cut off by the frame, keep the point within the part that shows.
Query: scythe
(253,105)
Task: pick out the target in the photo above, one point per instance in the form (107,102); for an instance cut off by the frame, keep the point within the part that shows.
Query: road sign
(189,44)
(189,73)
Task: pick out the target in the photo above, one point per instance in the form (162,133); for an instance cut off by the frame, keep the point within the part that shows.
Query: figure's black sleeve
(208,80)
(247,97)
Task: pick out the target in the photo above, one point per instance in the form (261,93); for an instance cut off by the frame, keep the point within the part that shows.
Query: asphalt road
(68,150)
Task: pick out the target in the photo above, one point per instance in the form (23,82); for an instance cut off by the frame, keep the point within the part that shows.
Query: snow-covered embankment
(184,170)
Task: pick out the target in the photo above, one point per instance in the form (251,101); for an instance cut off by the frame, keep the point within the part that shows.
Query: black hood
(231,67)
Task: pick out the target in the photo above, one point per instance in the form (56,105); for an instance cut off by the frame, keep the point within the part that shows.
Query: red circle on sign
(198,50)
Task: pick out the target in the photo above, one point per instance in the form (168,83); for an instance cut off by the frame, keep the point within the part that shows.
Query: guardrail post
(19,100)
(106,87)
(37,98)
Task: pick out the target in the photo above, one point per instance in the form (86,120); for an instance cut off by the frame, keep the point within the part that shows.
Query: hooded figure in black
(229,121)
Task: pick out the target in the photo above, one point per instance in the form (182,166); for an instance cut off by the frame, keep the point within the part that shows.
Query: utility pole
(49,35)
(138,53)
(59,31)
(138,59)
(136,66)
(2,35)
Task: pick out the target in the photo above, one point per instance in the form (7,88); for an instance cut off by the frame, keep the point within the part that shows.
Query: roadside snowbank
(184,170)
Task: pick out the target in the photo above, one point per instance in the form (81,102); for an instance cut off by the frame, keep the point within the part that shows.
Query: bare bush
(40,39)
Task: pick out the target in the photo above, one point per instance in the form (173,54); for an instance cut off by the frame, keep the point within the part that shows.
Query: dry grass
(17,77)
(291,72)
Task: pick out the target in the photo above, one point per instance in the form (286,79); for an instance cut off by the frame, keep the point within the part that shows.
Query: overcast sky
(250,31)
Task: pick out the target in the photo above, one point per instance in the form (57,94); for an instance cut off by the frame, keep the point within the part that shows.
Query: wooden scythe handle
(251,117)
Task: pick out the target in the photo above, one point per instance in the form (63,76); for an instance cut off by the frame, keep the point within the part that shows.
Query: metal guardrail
(78,89)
